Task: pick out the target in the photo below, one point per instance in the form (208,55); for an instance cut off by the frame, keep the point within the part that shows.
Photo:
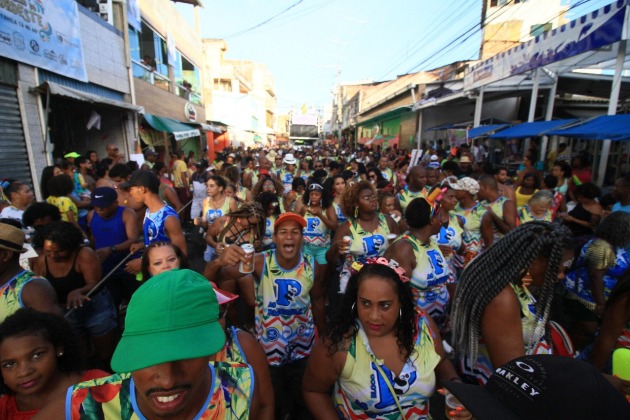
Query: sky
(312,45)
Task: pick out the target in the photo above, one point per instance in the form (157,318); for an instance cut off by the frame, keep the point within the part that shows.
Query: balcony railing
(185,93)
(143,72)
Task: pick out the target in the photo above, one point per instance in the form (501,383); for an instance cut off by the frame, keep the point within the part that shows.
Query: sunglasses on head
(315,187)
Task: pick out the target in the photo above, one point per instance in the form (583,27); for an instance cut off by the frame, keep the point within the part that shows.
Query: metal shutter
(13,156)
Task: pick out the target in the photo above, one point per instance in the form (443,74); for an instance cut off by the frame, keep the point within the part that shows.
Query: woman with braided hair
(495,318)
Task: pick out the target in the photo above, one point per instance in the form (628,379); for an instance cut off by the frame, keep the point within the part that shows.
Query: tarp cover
(531,129)
(484,129)
(604,127)
(180,130)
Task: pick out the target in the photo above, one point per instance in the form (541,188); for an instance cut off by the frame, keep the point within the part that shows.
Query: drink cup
(451,404)
(345,246)
(247,266)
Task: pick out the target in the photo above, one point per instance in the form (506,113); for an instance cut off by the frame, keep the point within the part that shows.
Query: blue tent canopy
(604,127)
(531,129)
(484,129)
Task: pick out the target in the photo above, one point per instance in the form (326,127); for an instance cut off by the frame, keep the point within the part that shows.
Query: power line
(264,21)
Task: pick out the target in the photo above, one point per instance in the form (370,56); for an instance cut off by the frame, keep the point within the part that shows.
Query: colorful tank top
(524,215)
(364,245)
(114,397)
(284,316)
(429,277)
(471,236)
(497,208)
(388,175)
(154,225)
(533,337)
(413,387)
(11,293)
(339,213)
(213,214)
(232,351)
(286,178)
(316,233)
(405,196)
(451,236)
(268,236)
(578,281)
(64,204)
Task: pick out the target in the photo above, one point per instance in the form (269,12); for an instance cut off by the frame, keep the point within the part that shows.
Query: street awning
(531,129)
(180,130)
(206,127)
(57,89)
(484,129)
(604,127)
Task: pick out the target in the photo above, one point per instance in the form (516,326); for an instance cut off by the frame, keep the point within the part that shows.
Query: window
(538,29)
(224,85)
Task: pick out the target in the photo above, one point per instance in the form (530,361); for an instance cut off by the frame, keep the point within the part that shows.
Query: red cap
(288,216)
(223,296)
(264,172)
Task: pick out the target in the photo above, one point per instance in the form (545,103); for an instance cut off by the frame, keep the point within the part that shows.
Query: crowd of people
(336,282)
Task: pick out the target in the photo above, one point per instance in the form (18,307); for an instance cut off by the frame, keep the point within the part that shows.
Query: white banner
(43,33)
(588,33)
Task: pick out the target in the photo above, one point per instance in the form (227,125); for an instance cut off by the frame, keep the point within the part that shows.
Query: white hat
(289,159)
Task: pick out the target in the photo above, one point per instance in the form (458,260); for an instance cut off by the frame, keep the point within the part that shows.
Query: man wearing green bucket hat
(165,360)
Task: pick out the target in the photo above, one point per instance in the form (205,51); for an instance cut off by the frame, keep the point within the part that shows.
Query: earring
(356,212)
(400,313)
(60,354)
(352,309)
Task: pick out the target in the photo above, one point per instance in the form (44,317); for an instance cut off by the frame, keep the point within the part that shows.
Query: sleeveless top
(471,236)
(114,397)
(405,196)
(109,232)
(153,225)
(232,351)
(284,316)
(522,199)
(354,399)
(65,284)
(339,213)
(254,176)
(241,193)
(11,293)
(212,214)
(533,337)
(429,277)
(451,236)
(316,233)
(525,215)
(64,204)
(268,236)
(388,175)
(364,245)
(497,208)
(578,281)
(286,178)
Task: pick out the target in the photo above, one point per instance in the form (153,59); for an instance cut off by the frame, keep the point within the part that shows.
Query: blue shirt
(619,207)
(153,225)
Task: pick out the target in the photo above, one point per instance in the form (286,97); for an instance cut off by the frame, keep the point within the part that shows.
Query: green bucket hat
(173,316)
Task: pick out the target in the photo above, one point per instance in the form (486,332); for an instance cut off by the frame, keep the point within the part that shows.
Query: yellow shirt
(180,170)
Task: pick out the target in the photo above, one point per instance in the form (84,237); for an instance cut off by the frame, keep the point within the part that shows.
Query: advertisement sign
(594,31)
(43,33)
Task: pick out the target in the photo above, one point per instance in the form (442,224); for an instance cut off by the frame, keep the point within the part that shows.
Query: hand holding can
(345,244)
(247,266)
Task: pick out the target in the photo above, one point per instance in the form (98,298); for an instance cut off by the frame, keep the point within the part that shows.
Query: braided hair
(503,263)
(246,211)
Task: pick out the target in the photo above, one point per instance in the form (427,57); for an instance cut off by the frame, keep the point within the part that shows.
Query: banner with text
(591,32)
(43,33)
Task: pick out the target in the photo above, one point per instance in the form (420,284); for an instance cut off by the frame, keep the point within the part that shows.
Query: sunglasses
(315,187)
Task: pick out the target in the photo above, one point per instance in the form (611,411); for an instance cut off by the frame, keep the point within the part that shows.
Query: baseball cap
(71,155)
(223,296)
(103,197)
(543,387)
(173,316)
(142,179)
(288,216)
(11,238)
(465,184)
(264,172)
(150,152)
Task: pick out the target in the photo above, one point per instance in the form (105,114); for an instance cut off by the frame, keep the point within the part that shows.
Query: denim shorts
(96,317)
(318,252)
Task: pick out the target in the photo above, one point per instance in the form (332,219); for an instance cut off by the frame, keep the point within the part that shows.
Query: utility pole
(484,10)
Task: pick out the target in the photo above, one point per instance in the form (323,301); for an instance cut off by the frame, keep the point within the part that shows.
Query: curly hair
(350,197)
(144,265)
(66,235)
(615,229)
(418,213)
(588,190)
(503,263)
(60,185)
(265,199)
(52,328)
(257,189)
(344,327)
